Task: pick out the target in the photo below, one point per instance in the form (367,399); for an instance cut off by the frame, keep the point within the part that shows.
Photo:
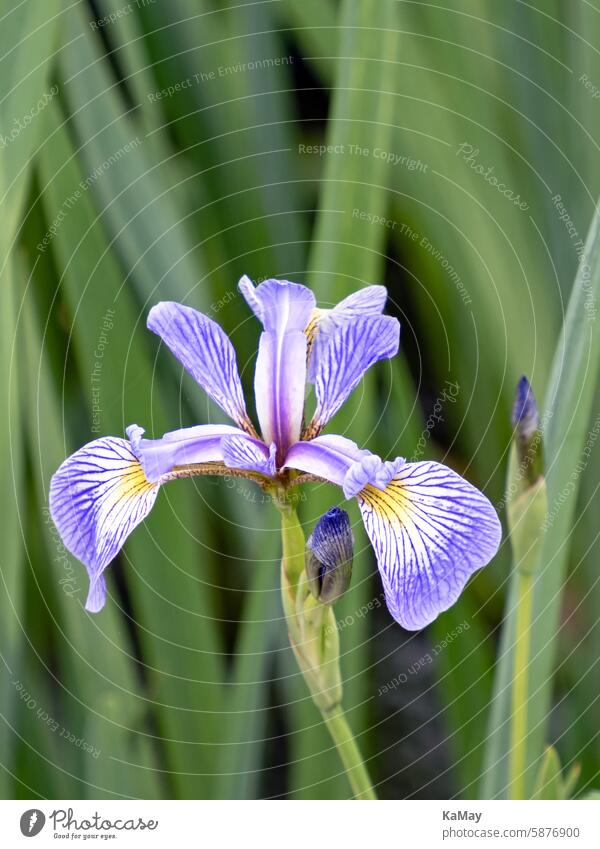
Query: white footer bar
(287,825)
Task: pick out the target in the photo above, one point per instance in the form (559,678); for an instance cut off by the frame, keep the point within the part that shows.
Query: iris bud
(527,497)
(528,434)
(329,554)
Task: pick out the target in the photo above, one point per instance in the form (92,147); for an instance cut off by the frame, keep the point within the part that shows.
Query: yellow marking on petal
(133,482)
(126,484)
(313,324)
(394,502)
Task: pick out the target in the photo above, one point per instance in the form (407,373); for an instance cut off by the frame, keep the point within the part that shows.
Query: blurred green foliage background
(158,149)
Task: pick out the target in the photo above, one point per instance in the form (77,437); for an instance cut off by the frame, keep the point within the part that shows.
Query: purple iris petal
(206,352)
(97,497)
(341,461)
(330,457)
(370,470)
(241,452)
(367,301)
(342,353)
(430,530)
(284,309)
(248,290)
(184,447)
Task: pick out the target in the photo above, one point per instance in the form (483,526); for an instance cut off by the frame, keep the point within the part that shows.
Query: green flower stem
(350,756)
(520,690)
(314,640)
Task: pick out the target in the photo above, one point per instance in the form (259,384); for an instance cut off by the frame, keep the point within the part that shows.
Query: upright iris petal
(370,300)
(206,352)
(341,355)
(284,309)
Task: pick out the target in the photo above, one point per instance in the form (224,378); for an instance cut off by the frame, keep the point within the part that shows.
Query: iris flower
(429,527)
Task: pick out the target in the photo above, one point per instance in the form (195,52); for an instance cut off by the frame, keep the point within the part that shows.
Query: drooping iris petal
(97,497)
(205,350)
(430,530)
(184,447)
(284,309)
(104,490)
(341,354)
(241,452)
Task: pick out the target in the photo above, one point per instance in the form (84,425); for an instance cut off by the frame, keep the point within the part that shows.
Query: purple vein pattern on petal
(342,353)
(430,530)
(242,452)
(205,350)
(368,301)
(284,309)
(184,447)
(97,497)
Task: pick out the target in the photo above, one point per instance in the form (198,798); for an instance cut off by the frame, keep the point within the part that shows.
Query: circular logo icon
(32,822)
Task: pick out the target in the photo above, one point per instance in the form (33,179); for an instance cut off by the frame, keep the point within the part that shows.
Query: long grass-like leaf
(174,604)
(95,663)
(568,404)
(26,30)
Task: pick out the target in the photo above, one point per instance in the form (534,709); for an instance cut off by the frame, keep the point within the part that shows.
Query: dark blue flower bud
(329,554)
(528,434)
(525,416)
